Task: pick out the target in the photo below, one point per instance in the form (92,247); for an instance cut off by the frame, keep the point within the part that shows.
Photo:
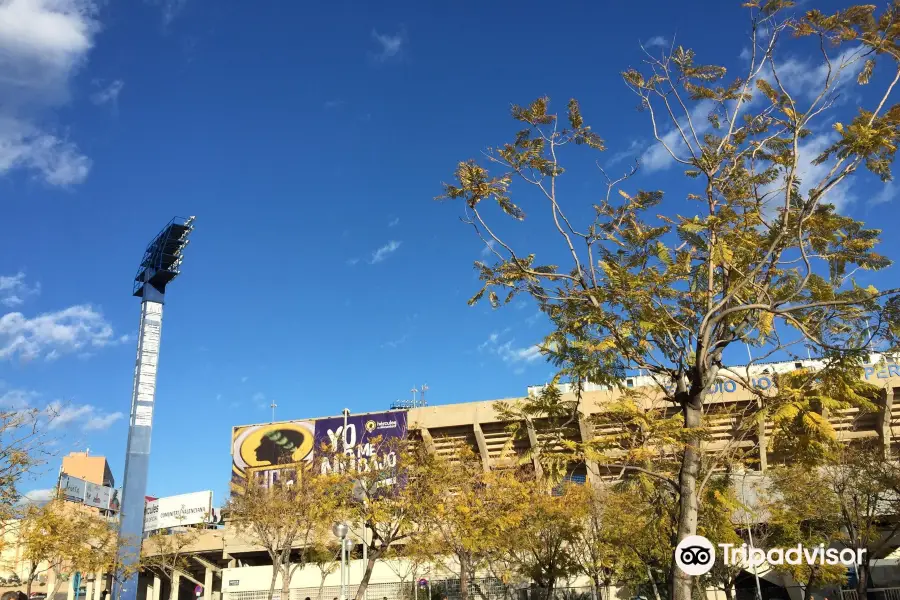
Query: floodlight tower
(160,265)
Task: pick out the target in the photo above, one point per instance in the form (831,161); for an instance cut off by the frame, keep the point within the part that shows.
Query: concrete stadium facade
(236,568)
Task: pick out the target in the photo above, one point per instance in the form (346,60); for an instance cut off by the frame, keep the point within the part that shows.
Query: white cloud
(330,104)
(634,149)
(43,43)
(657,158)
(244,379)
(102,422)
(526,354)
(806,78)
(109,94)
(68,416)
(352,261)
(488,248)
(389,45)
(64,415)
(811,175)
(394,222)
(73,329)
(259,399)
(391,344)
(38,497)
(802,78)
(15,399)
(657,40)
(14,290)
(170,9)
(513,355)
(382,253)
(887,193)
(25,146)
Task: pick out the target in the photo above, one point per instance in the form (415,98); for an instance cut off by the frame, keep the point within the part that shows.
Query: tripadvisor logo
(696,555)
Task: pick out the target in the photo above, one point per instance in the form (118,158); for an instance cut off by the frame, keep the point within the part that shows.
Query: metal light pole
(340,531)
(160,265)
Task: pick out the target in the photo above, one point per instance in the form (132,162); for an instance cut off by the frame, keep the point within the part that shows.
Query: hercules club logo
(371,425)
(695,555)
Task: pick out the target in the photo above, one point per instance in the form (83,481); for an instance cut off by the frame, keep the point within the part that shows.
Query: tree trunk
(862,579)
(286,577)
(653,584)
(364,583)
(57,581)
(682,583)
(807,589)
(463,578)
(275,570)
(31,576)
(729,591)
(322,585)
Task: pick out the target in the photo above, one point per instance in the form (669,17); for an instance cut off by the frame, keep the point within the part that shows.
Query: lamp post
(340,531)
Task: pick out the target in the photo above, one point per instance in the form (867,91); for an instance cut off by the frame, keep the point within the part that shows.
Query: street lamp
(340,531)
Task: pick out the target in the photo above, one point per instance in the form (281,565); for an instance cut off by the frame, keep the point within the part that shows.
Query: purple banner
(364,439)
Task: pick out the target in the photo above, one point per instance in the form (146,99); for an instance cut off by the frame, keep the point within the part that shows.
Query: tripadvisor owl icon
(695,555)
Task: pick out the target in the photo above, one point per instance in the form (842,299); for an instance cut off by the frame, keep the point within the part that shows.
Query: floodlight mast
(160,265)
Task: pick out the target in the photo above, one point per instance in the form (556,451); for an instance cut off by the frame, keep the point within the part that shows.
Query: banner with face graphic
(267,452)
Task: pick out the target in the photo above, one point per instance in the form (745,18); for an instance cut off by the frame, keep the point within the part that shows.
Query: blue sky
(309,140)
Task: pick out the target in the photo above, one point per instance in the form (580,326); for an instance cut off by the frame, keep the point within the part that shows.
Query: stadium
(232,565)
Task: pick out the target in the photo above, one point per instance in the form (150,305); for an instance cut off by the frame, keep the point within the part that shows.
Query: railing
(873,594)
(479,589)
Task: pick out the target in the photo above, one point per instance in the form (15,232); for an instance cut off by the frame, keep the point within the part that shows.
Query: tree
(386,498)
(45,533)
(804,512)
(326,557)
(720,524)
(167,553)
(866,490)
(543,548)
(22,449)
(94,548)
(594,549)
(289,519)
(59,537)
(477,513)
(766,260)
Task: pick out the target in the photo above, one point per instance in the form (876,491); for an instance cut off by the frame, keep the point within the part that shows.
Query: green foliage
(761,258)
(804,511)
(477,514)
(543,548)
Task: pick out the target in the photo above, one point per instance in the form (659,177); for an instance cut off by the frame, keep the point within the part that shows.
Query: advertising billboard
(175,511)
(267,451)
(78,490)
(97,496)
(359,438)
(261,451)
(72,488)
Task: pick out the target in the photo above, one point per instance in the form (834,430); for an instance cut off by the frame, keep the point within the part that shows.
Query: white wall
(259,578)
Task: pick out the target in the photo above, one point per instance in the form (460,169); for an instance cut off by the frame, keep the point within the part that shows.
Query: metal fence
(873,594)
(494,589)
(479,589)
